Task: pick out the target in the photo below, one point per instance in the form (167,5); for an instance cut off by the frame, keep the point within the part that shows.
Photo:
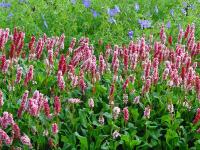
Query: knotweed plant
(143,95)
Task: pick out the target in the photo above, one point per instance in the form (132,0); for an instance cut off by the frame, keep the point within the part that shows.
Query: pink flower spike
(54,128)
(16,131)
(57,105)
(29,75)
(46,108)
(26,141)
(6,66)
(18,75)
(60,79)
(126,114)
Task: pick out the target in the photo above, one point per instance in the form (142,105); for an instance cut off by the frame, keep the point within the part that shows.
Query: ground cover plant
(94,82)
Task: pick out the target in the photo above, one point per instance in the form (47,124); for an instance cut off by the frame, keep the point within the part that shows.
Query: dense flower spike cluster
(5,121)
(4,137)
(129,73)
(4,35)
(37,103)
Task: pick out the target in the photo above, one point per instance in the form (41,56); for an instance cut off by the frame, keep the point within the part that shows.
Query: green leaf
(134,143)
(166,119)
(172,138)
(134,114)
(83,141)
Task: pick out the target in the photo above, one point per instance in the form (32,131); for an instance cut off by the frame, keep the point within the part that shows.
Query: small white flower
(116,134)
(116,111)
(91,103)
(34,82)
(170,108)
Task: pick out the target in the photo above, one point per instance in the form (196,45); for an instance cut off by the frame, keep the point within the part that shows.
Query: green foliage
(79,125)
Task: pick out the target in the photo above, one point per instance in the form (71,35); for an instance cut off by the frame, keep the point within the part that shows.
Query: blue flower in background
(130,34)
(117,10)
(184,4)
(183,11)
(156,9)
(172,12)
(168,25)
(192,6)
(73,2)
(95,14)
(114,11)
(111,12)
(179,26)
(86,3)
(5,5)
(22,1)
(137,7)
(144,23)
(45,22)
(10,14)
(112,20)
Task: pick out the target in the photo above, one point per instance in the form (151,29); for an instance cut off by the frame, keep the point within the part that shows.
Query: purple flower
(95,14)
(137,7)
(114,11)
(22,1)
(183,11)
(136,100)
(5,5)
(112,20)
(73,2)
(130,34)
(117,10)
(168,25)
(86,3)
(156,9)
(184,4)
(147,112)
(110,12)
(144,24)
(172,12)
